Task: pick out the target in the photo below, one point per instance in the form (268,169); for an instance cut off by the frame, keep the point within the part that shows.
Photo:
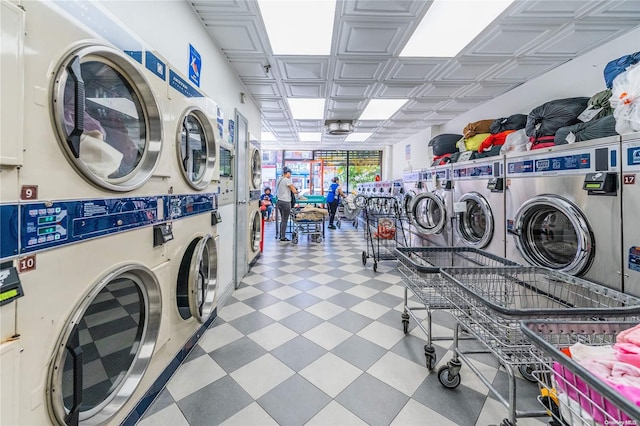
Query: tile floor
(313,337)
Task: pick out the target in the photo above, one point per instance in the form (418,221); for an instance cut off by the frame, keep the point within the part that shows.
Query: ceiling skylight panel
(299,27)
(358,137)
(310,136)
(382,109)
(306,109)
(450,25)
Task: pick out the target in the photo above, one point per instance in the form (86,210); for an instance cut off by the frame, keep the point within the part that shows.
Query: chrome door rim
(430,197)
(209,132)
(464,228)
(206,251)
(255,232)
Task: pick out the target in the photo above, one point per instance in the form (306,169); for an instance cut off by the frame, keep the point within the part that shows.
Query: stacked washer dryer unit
(94,236)
(193,146)
(630,206)
(410,183)
(254,177)
(478,205)
(431,208)
(563,210)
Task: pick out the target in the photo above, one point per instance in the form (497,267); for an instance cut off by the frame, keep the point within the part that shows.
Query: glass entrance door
(316,179)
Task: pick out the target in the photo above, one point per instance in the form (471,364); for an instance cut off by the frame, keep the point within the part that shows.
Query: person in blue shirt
(266,200)
(333,199)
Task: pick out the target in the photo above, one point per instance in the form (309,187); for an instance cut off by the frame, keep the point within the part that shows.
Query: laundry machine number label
(629,179)
(27,263)
(29,192)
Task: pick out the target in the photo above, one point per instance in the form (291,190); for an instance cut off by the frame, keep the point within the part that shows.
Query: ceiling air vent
(338,127)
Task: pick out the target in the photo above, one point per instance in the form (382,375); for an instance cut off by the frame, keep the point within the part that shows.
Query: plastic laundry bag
(625,100)
(515,142)
(98,156)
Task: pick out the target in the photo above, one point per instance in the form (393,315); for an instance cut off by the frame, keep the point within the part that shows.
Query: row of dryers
(109,254)
(572,208)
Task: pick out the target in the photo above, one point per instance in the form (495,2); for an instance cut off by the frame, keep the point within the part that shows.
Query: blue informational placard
(8,230)
(187,205)
(182,86)
(633,156)
(155,65)
(195,65)
(232,131)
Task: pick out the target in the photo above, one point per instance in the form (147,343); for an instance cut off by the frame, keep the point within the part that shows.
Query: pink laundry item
(628,352)
(630,335)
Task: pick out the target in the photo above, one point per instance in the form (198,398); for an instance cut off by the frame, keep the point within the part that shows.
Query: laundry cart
(420,268)
(348,210)
(570,391)
(308,221)
(490,302)
(383,230)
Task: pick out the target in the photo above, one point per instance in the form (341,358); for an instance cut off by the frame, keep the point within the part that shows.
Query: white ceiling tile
(521,70)
(440,90)
(359,69)
(486,90)
(508,40)
(398,90)
(468,71)
(629,9)
(414,69)
(370,38)
(386,9)
(274,114)
(305,90)
(309,68)
(342,114)
(223,7)
(424,104)
(264,89)
(352,90)
(271,103)
(575,39)
(346,104)
(555,9)
(236,36)
(251,69)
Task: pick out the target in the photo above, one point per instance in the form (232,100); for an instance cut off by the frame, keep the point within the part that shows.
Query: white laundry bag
(625,100)
(515,142)
(98,156)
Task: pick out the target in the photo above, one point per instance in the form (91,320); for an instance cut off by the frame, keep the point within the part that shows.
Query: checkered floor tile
(314,337)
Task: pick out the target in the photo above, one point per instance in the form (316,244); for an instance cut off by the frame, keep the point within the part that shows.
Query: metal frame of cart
(420,268)
(302,226)
(595,399)
(491,302)
(383,230)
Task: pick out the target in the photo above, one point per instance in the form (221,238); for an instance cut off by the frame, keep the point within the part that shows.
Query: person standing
(284,189)
(333,199)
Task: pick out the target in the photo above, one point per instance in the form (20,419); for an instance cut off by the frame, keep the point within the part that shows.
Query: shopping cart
(348,210)
(490,302)
(572,394)
(382,232)
(420,268)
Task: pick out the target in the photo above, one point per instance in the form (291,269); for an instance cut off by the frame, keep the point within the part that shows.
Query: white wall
(419,156)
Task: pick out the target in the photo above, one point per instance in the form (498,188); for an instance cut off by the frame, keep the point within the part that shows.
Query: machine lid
(255,231)
(475,225)
(196,144)
(552,232)
(105,347)
(429,213)
(256,169)
(203,278)
(106,118)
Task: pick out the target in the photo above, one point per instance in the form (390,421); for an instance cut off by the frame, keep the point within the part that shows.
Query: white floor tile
(288,279)
(246,293)
(331,374)
(396,290)
(335,414)
(279,310)
(235,311)
(219,336)
(261,268)
(194,375)
(325,310)
(170,416)
(272,336)
(283,293)
(321,268)
(260,376)
(327,335)
(352,268)
(389,278)
(381,334)
(415,413)
(399,372)
(255,279)
(290,269)
(322,278)
(493,412)
(370,309)
(253,414)
(323,292)
(355,278)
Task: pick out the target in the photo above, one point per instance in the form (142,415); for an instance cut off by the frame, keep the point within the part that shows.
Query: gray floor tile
(412,348)
(261,301)
(377,285)
(163,400)
(251,322)
(359,352)
(393,319)
(270,285)
(305,285)
(386,299)
(294,392)
(351,321)
(345,300)
(196,352)
(298,353)
(301,322)
(237,354)
(340,284)
(526,392)
(372,400)
(303,300)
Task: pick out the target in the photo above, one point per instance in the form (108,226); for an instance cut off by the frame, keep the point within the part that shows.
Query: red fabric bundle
(494,140)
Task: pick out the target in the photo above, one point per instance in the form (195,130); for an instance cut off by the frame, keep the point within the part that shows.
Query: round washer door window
(475,224)
(407,202)
(197,283)
(256,169)
(105,347)
(106,118)
(254,237)
(429,213)
(552,232)
(196,148)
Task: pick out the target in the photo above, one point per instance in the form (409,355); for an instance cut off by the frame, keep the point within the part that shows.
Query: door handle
(242,202)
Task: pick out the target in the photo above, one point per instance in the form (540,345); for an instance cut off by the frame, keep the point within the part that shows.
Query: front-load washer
(93,124)
(564,208)
(478,205)
(412,185)
(630,208)
(254,177)
(431,208)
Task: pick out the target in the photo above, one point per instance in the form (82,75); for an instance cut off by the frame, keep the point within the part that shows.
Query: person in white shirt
(284,189)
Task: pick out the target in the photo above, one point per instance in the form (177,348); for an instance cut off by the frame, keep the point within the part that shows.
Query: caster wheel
(375,266)
(506,422)
(319,239)
(294,238)
(364,258)
(405,326)
(338,225)
(446,379)
(431,357)
(527,373)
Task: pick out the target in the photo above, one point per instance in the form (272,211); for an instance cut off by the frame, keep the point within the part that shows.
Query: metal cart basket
(490,302)
(308,222)
(572,394)
(383,230)
(420,268)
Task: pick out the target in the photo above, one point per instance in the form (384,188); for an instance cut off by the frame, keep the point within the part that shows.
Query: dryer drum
(552,232)
(105,347)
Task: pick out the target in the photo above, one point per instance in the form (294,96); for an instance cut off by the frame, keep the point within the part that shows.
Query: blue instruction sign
(195,65)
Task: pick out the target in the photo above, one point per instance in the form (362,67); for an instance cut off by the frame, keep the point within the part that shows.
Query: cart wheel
(319,239)
(527,373)
(431,357)
(375,266)
(355,224)
(405,326)
(338,224)
(506,422)
(294,238)
(364,258)
(446,379)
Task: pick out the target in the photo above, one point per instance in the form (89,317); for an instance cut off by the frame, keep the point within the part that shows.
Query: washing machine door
(106,118)
(551,231)
(256,169)
(475,225)
(197,282)
(429,213)
(196,146)
(105,347)
(407,202)
(256,231)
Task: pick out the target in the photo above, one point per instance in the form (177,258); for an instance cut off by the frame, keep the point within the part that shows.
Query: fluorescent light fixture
(357,137)
(450,25)
(382,109)
(306,109)
(310,137)
(267,137)
(287,20)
